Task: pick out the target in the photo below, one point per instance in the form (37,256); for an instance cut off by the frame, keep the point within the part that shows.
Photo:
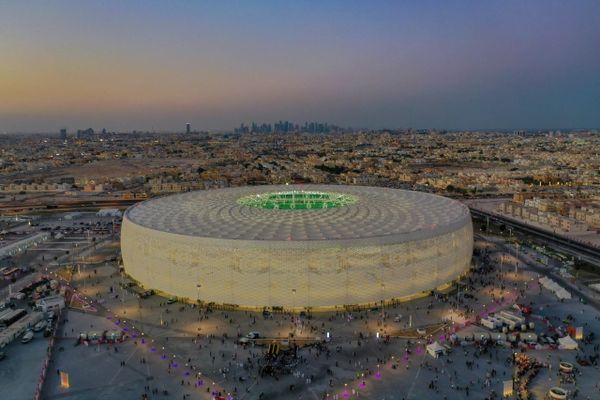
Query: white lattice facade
(360,268)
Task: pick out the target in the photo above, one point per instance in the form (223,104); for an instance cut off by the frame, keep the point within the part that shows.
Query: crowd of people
(354,348)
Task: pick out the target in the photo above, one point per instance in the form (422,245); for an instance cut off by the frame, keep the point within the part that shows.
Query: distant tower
(188,128)
(63,134)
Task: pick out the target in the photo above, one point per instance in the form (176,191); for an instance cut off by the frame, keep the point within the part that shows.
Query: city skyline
(152,66)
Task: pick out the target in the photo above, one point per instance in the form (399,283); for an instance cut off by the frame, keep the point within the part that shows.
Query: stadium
(298,246)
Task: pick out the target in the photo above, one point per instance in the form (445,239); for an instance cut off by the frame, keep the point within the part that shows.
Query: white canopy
(109,212)
(435,349)
(567,343)
(555,288)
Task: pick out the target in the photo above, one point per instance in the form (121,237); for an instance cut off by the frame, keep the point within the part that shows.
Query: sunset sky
(156,65)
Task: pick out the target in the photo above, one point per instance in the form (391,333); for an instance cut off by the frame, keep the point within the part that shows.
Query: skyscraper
(188,128)
(63,133)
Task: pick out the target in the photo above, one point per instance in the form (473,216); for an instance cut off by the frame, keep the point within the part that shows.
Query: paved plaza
(183,351)
(175,350)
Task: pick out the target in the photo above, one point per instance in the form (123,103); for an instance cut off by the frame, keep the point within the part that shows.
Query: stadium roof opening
(297,200)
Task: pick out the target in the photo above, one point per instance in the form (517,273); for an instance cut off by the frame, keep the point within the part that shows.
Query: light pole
(293,299)
(517,261)
(198,286)
(122,292)
(382,302)
(457,300)
(139,297)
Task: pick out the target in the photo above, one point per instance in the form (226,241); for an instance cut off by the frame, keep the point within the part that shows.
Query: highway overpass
(581,250)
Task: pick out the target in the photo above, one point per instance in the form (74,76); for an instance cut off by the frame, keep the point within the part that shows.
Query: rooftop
(301,213)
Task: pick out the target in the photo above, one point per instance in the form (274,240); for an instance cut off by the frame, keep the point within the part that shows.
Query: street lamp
(293,299)
(382,302)
(198,286)
(517,261)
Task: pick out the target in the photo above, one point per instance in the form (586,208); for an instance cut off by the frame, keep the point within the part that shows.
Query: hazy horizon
(153,66)
(72,132)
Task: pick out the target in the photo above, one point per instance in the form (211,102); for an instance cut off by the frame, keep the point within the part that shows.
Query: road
(14,208)
(51,265)
(535,266)
(585,252)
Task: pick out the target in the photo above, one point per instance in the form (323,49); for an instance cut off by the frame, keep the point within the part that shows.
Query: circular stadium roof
(359,213)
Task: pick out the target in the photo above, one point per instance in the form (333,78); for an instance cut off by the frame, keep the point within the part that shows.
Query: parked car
(40,326)
(27,337)
(253,335)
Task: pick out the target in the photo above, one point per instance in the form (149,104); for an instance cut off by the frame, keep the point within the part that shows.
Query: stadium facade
(299,246)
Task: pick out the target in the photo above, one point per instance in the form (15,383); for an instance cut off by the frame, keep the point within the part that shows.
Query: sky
(155,65)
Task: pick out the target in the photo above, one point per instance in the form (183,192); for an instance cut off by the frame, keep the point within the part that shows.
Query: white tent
(563,294)
(555,288)
(435,349)
(567,343)
(109,212)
